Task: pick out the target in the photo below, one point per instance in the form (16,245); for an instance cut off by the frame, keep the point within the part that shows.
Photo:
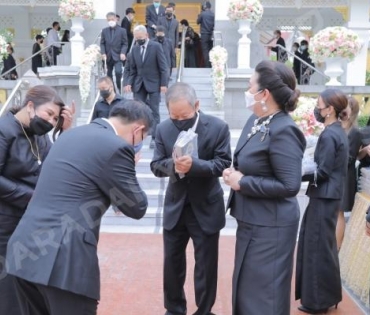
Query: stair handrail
(93,108)
(180,68)
(304,62)
(221,39)
(29,58)
(12,94)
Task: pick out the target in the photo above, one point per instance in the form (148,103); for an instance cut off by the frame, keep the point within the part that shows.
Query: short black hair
(118,16)
(38,36)
(55,23)
(207,5)
(184,22)
(129,111)
(171,4)
(161,29)
(130,10)
(304,42)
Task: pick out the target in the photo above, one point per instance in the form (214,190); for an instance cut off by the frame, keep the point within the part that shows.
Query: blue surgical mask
(138,147)
(156,4)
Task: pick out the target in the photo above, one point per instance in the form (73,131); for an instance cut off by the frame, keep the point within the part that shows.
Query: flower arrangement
(218,58)
(3,45)
(69,9)
(251,10)
(305,118)
(90,57)
(335,42)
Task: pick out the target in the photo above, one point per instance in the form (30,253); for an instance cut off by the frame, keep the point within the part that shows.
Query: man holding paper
(194,206)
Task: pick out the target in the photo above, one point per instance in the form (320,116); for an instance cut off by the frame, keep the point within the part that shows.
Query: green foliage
(362,120)
(367,78)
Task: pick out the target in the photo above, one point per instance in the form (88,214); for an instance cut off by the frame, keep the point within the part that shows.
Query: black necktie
(142,52)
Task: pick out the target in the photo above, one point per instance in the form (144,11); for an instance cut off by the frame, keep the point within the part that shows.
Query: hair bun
(292,102)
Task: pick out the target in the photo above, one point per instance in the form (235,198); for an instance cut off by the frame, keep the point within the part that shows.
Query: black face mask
(141,42)
(39,126)
(58,28)
(318,117)
(169,15)
(185,124)
(160,38)
(104,94)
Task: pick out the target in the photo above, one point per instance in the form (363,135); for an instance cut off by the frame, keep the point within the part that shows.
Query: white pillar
(77,41)
(359,23)
(102,7)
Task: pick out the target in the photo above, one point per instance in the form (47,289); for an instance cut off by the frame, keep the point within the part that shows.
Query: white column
(77,41)
(102,7)
(359,23)
(221,10)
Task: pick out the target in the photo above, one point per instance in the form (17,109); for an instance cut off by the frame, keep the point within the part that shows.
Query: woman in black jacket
(37,60)
(9,63)
(318,283)
(24,145)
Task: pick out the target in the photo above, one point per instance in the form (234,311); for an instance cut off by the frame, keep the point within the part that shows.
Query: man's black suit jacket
(113,46)
(151,16)
(201,186)
(126,24)
(55,243)
(152,72)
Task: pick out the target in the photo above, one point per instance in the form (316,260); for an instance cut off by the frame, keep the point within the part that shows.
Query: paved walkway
(131,274)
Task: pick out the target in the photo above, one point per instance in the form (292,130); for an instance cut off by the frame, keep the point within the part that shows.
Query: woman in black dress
(265,179)
(24,145)
(190,61)
(9,63)
(37,60)
(349,123)
(318,283)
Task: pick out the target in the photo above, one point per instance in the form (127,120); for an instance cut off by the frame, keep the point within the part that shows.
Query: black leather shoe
(311,311)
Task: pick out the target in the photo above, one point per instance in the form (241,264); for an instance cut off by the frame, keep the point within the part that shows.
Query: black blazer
(172,29)
(113,47)
(126,24)
(152,72)
(331,156)
(272,170)
(200,187)
(78,182)
(169,52)
(19,170)
(151,16)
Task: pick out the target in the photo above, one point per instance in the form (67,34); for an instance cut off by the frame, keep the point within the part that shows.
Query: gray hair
(110,14)
(181,91)
(140,28)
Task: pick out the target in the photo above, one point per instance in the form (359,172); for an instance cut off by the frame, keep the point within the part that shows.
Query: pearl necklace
(261,127)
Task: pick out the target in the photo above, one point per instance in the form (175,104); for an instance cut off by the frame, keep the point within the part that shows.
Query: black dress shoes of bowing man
(53,251)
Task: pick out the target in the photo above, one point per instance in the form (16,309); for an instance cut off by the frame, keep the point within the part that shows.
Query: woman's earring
(264,107)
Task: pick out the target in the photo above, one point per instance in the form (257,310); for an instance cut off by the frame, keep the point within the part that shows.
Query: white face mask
(249,99)
(112,23)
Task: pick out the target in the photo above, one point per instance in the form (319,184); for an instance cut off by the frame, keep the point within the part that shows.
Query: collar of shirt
(108,121)
(196,123)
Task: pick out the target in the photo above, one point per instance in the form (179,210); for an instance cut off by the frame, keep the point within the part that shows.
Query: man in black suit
(281,54)
(207,24)
(167,46)
(148,73)
(171,26)
(194,206)
(113,46)
(108,98)
(152,13)
(127,25)
(53,251)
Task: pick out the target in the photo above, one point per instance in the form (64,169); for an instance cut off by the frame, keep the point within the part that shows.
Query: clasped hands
(232,177)
(183,164)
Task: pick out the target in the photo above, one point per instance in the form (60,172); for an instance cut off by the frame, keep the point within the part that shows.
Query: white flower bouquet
(251,10)
(305,118)
(69,9)
(335,41)
(90,57)
(3,45)
(218,57)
